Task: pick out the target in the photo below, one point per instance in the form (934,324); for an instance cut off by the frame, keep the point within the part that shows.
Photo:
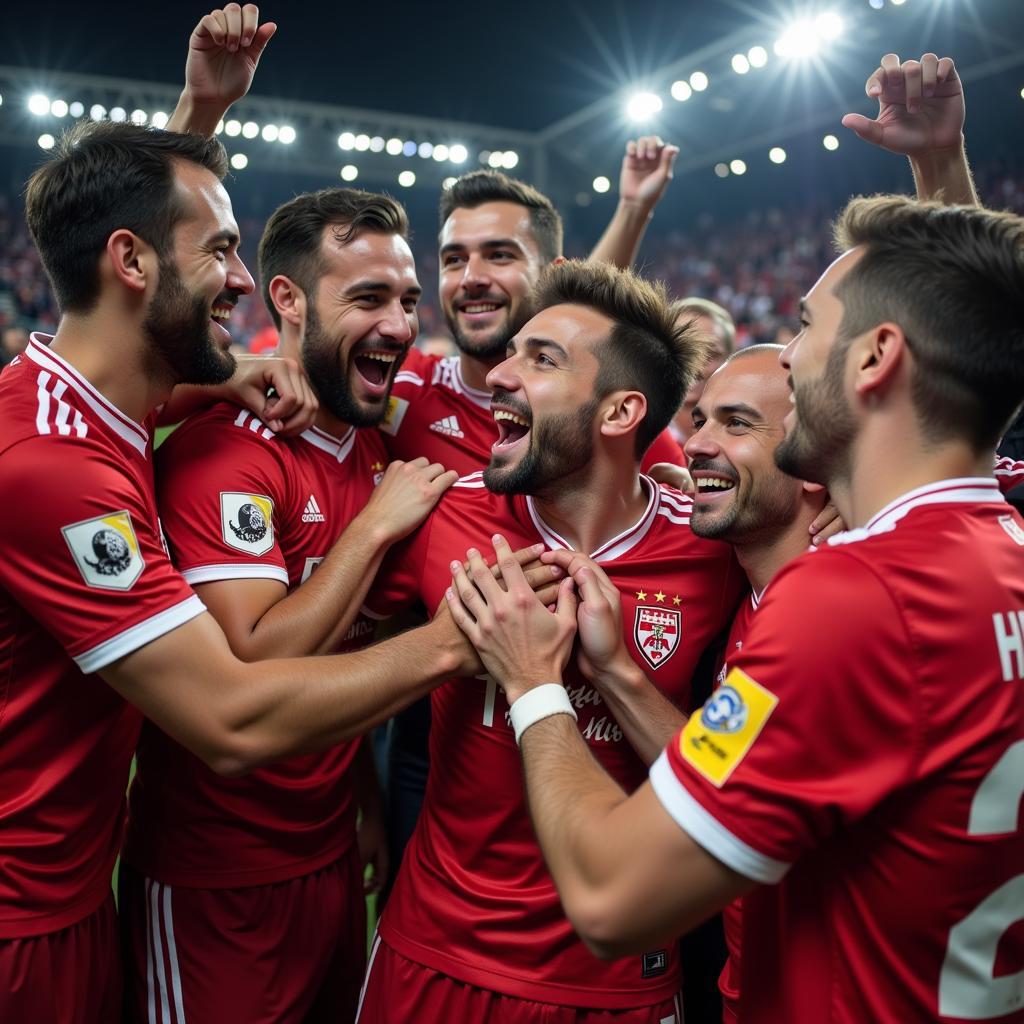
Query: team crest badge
(392,421)
(106,551)
(656,632)
(247,522)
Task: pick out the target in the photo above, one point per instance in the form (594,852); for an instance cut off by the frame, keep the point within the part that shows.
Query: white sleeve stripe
(251,571)
(140,634)
(708,831)
(371,614)
(408,377)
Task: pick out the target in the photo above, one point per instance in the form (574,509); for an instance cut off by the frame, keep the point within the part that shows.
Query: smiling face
(741,494)
(545,432)
(360,323)
(199,283)
(489,263)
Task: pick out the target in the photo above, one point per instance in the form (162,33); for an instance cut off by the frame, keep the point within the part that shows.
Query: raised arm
(223,52)
(921,116)
(646,172)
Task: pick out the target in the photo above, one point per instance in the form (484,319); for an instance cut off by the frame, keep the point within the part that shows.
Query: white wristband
(540,702)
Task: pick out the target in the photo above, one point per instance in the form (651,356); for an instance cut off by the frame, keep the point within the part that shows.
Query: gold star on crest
(641,595)
(677,600)
(378,466)
(659,597)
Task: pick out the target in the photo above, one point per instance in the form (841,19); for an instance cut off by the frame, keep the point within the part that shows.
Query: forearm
(647,717)
(621,239)
(196,118)
(946,175)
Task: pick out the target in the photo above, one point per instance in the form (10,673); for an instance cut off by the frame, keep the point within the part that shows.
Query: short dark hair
(292,242)
(952,277)
(103,177)
(479,187)
(646,350)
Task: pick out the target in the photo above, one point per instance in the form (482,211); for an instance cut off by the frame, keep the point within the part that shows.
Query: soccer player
(473,930)
(276,851)
(96,627)
(862,761)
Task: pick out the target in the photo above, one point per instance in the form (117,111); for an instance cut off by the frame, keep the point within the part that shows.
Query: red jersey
(432,411)
(241,503)
(84,581)
(866,752)
(474,899)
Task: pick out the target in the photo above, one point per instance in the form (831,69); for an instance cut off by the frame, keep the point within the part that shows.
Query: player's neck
(474,370)
(330,424)
(112,358)
(593,506)
(762,558)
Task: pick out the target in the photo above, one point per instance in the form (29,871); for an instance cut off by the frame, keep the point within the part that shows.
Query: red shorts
(289,953)
(68,977)
(397,991)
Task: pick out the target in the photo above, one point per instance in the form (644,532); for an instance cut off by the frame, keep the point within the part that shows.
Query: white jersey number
(967,986)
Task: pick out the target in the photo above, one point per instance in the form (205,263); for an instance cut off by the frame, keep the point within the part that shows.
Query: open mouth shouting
(223,306)
(375,366)
(513,421)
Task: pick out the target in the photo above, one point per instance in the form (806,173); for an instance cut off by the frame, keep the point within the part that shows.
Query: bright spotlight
(160,119)
(376,144)
(349,172)
(362,143)
(828,25)
(458,153)
(39,104)
(448,183)
(232,128)
(250,130)
(831,143)
(898,3)
(139,117)
(799,40)
(270,132)
(393,147)
(698,81)
(737,167)
(440,152)
(76,108)
(1022,94)
(425,150)
(346,140)
(286,135)
(118,114)
(681,91)
(495,159)
(97,111)
(239,161)
(758,56)
(876,5)
(46,141)
(777,155)
(409,149)
(511,159)
(740,64)
(407,179)
(643,106)
(601,184)
(59,108)
(722,170)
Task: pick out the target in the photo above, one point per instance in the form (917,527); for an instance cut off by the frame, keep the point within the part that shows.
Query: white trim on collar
(475,395)
(972,489)
(339,447)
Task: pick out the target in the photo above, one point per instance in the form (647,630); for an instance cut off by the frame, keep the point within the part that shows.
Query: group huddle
(591,504)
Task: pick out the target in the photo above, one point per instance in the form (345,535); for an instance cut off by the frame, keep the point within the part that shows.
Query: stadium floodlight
(898,3)
(76,108)
(376,144)
(511,159)
(250,130)
(440,152)
(46,141)
(239,161)
(448,183)
(828,25)
(270,132)
(737,167)
(831,143)
(59,108)
(722,170)
(643,106)
(876,4)
(496,159)
(118,114)
(349,172)
(159,119)
(139,117)
(407,179)
(425,150)
(777,155)
(698,81)
(39,104)
(346,140)
(458,153)
(410,148)
(286,135)
(97,111)
(393,147)
(1022,94)
(362,142)
(801,39)
(681,91)
(601,184)
(758,56)
(740,64)
(232,128)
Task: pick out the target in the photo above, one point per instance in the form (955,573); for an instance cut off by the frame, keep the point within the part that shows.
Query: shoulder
(417,369)
(232,427)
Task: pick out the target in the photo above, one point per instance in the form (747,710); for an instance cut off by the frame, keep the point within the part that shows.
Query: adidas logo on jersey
(448,426)
(312,513)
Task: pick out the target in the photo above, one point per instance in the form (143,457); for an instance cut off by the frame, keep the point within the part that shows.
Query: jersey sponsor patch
(656,632)
(716,738)
(106,551)
(1013,529)
(392,422)
(247,522)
